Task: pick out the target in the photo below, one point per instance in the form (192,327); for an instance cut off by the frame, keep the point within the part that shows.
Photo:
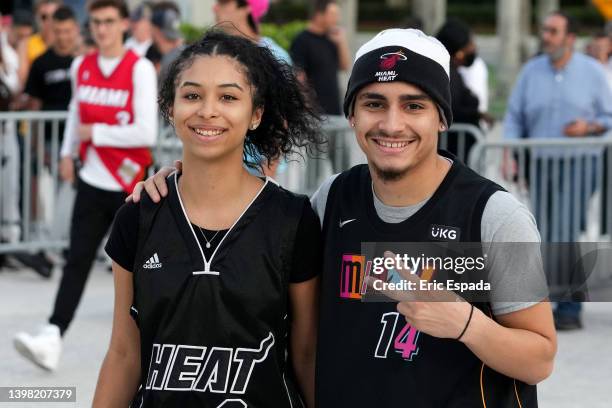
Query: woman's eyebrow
(190,83)
(231,85)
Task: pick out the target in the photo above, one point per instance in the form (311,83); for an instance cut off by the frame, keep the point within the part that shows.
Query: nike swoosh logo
(343,223)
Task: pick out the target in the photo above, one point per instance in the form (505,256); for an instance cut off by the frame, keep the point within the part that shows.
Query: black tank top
(368,356)
(213,330)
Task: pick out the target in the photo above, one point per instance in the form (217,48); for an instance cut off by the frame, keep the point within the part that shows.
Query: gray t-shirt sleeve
(511,241)
(319,198)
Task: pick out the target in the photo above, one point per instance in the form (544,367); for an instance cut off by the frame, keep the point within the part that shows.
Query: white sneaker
(43,349)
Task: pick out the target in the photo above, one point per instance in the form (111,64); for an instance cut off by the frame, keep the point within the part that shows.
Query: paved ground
(582,376)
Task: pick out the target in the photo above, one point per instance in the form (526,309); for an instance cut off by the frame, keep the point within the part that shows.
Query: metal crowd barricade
(566,185)
(29,182)
(465,135)
(560,178)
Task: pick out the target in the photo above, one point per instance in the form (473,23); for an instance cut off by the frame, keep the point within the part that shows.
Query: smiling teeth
(393,145)
(203,132)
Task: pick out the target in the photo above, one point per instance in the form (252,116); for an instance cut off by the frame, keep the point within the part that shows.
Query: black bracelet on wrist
(466,324)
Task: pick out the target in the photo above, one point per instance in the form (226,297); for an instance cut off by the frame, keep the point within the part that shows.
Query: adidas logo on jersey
(153,262)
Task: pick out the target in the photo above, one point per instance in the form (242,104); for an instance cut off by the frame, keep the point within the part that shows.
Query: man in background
(36,44)
(19,27)
(558,94)
(166,22)
(319,52)
(457,38)
(48,83)
(112,123)
(599,47)
(141,37)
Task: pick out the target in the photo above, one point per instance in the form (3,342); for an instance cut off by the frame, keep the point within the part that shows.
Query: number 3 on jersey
(404,342)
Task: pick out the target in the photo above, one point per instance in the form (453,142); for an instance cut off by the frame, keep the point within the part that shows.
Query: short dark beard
(389,175)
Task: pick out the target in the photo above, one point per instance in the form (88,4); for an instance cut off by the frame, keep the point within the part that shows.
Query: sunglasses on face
(44,17)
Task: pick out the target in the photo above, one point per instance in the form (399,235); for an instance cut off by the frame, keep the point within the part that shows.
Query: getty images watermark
(477,272)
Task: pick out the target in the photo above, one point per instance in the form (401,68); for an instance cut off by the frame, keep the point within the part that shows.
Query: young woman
(219,277)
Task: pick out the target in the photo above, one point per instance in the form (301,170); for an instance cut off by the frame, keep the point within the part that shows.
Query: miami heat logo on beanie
(389,59)
(387,64)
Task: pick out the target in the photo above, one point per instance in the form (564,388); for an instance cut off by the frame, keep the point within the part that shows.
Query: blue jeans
(572,188)
(561,221)
(570,309)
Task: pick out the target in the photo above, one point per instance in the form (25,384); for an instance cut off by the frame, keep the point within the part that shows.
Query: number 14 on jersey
(404,342)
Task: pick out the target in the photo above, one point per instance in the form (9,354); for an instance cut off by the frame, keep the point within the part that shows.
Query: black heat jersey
(368,356)
(213,331)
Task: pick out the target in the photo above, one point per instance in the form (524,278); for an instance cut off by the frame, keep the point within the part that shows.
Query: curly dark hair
(288,123)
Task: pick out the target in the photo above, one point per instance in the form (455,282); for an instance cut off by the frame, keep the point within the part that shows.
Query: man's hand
(438,313)
(577,128)
(488,118)
(337,35)
(85,132)
(66,169)
(155,186)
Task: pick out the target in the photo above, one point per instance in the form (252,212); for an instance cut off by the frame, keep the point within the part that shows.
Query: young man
(36,44)
(141,37)
(398,100)
(48,84)
(447,354)
(320,52)
(113,122)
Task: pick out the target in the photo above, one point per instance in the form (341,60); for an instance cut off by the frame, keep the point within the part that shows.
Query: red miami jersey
(109,100)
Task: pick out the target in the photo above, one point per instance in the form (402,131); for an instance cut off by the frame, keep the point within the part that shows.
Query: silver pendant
(208,245)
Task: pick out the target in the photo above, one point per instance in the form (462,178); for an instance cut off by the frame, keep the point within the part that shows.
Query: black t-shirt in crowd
(49,80)
(465,110)
(123,242)
(318,57)
(464,102)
